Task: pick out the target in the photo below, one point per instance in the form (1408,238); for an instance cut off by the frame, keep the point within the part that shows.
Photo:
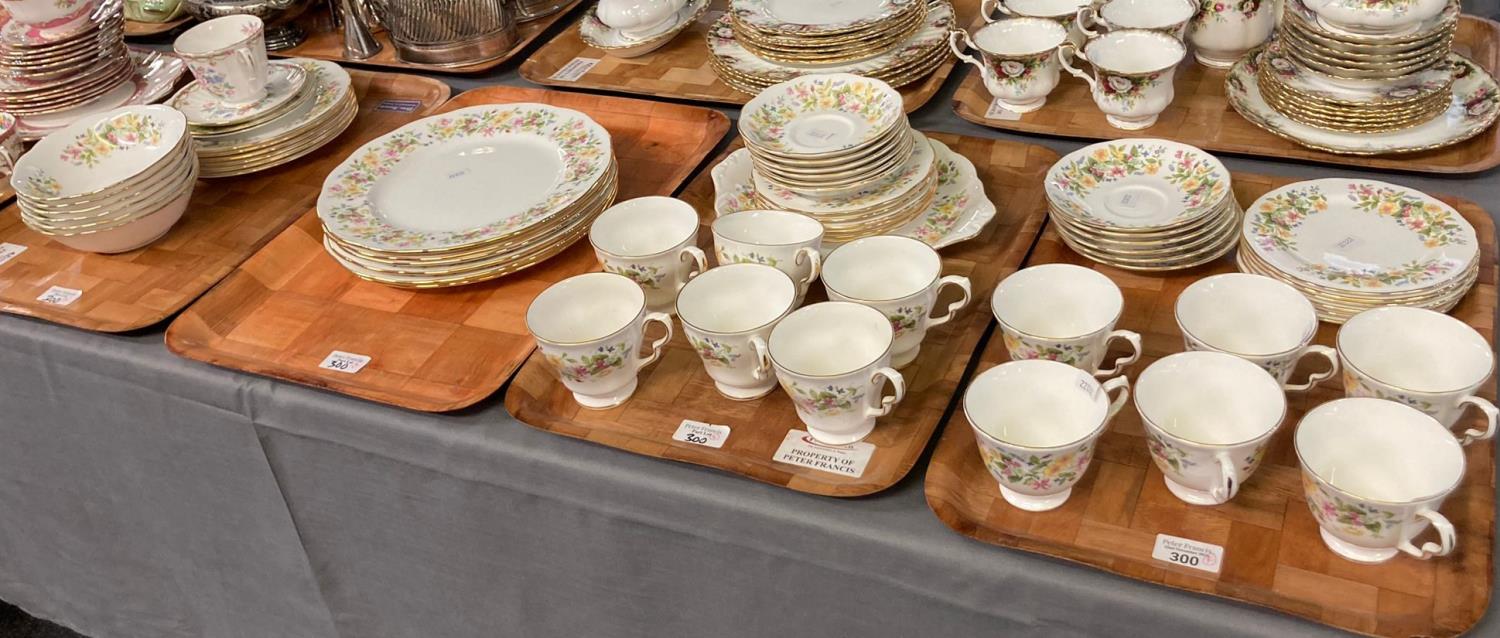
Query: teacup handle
(1068,50)
(1490,416)
(656,346)
(1317,377)
(809,254)
(1230,479)
(762,357)
(1447,537)
(987,9)
(887,403)
(1118,383)
(1087,14)
(962,283)
(1120,364)
(961,51)
(699,259)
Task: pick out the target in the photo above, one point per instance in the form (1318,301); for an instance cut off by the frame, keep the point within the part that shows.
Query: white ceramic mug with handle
(728,314)
(651,240)
(1064,313)
(1209,417)
(1017,59)
(834,360)
(789,242)
(1374,474)
(228,57)
(1133,74)
(589,328)
(1255,318)
(903,279)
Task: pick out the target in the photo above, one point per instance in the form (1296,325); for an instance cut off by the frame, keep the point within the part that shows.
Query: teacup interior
(1147,14)
(881,268)
(644,226)
(768,228)
(585,308)
(1020,36)
(1415,349)
(830,339)
(1037,404)
(215,35)
(736,298)
(1135,51)
(1379,450)
(1045,7)
(1057,300)
(1246,314)
(1210,398)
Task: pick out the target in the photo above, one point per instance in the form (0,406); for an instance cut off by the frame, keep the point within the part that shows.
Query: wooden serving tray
(1201,115)
(681,70)
(287,308)
(325,44)
(138,29)
(227,221)
(678,387)
(1272,553)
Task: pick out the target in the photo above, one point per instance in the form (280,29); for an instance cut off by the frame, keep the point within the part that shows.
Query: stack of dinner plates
(468,195)
(111,183)
(1351,245)
(1144,204)
(838,148)
(308,104)
(759,43)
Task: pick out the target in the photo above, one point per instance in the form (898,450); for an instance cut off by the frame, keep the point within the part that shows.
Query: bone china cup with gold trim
(1167,16)
(902,278)
(651,241)
(1133,74)
(789,242)
(1257,319)
(228,56)
(728,313)
(589,328)
(1017,59)
(1064,313)
(834,360)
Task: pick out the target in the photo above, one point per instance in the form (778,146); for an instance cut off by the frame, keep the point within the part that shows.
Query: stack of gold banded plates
(546,173)
(1143,204)
(308,104)
(1351,245)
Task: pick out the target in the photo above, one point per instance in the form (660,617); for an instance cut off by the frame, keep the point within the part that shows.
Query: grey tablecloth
(142,495)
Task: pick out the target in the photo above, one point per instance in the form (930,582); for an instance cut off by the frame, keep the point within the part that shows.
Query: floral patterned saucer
(802,17)
(889,188)
(206,109)
(1138,184)
(821,114)
(912,53)
(1360,235)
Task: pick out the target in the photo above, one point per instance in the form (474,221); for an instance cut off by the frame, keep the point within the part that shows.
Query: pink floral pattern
(1349,517)
(99,142)
(591,366)
(1037,472)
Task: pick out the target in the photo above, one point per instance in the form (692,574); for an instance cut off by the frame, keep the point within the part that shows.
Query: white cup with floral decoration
(728,314)
(1421,358)
(1133,74)
(834,360)
(1225,30)
(1036,423)
(1063,313)
(1063,12)
(1017,59)
(227,55)
(1209,417)
(589,328)
(1168,16)
(787,241)
(652,241)
(1255,318)
(1374,474)
(903,279)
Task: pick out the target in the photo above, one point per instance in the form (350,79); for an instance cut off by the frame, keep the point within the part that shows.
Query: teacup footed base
(1131,124)
(1035,503)
(902,359)
(1215,60)
(842,438)
(1190,495)
(1350,551)
(744,394)
(1022,107)
(611,400)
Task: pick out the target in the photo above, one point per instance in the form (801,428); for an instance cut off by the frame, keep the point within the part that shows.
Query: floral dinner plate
(206,109)
(1137,183)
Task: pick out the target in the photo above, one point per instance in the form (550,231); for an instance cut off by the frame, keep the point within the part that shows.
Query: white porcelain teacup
(1133,74)
(902,278)
(1255,318)
(789,242)
(1387,17)
(10,143)
(1064,12)
(834,359)
(1425,359)
(1063,313)
(728,313)
(1209,417)
(228,57)
(590,328)
(45,14)
(652,241)
(1223,32)
(1036,423)
(1374,474)
(1017,59)
(1168,16)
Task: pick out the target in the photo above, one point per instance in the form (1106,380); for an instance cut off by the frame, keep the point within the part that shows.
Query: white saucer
(206,109)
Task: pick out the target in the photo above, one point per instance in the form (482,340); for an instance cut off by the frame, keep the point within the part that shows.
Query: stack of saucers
(111,183)
(759,43)
(1351,245)
(308,104)
(838,148)
(1144,204)
(554,167)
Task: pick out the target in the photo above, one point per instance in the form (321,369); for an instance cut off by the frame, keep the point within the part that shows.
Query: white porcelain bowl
(136,234)
(93,155)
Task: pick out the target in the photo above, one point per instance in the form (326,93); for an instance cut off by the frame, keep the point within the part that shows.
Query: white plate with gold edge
(1392,65)
(174,164)
(91,156)
(898,140)
(890,187)
(1209,255)
(21,93)
(886,158)
(1269,86)
(799,17)
(895,76)
(920,192)
(818,114)
(1368,297)
(1137,183)
(1360,235)
(333,86)
(1439,39)
(1361,78)
(334,119)
(285,80)
(605,38)
(1345,123)
(1474,109)
(1307,18)
(904,23)
(932,35)
(155,75)
(1211,235)
(828,51)
(1439,44)
(241,166)
(1305,82)
(1175,235)
(831,180)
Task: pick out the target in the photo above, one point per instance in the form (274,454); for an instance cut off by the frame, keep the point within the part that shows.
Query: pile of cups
(111,183)
(742,317)
(1376,466)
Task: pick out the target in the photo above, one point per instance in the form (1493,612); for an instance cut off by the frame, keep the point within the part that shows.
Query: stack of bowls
(1144,204)
(111,183)
(838,148)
